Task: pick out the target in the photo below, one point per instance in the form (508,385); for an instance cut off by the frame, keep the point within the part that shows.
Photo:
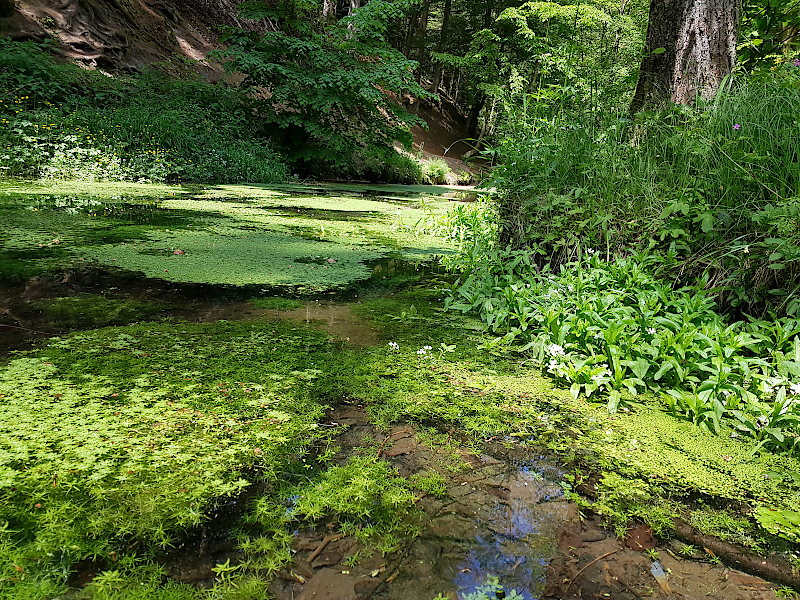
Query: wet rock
(365,587)
(401,446)
(327,558)
(452,526)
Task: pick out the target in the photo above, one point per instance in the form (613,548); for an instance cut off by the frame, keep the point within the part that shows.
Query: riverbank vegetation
(622,291)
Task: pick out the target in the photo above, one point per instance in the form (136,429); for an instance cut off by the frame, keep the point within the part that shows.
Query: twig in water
(327,540)
(571,581)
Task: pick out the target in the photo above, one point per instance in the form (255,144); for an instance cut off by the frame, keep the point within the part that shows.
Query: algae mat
(301,238)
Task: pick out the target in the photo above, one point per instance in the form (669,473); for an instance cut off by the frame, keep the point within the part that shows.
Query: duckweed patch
(276,303)
(227,235)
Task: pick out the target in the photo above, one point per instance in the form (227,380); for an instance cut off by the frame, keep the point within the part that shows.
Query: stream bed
(503,515)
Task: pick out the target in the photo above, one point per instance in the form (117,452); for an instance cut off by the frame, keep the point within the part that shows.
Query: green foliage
(86,311)
(615,328)
(436,171)
(491,589)
(783,523)
(325,85)
(767,34)
(134,435)
(59,122)
(276,303)
(714,188)
(277,237)
(367,497)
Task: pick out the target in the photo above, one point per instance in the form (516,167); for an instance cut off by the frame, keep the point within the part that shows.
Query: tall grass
(717,186)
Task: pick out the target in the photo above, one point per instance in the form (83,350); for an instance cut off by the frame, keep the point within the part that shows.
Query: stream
(503,513)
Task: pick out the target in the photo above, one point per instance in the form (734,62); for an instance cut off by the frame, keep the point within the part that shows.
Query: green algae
(230,235)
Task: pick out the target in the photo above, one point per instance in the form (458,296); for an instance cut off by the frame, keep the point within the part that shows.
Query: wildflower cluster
(621,331)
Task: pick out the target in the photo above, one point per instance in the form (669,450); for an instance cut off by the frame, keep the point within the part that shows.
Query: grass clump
(367,498)
(436,171)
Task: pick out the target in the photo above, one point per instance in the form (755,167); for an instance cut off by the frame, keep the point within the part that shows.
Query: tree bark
(6,9)
(691,48)
(412,27)
(328,10)
(354,5)
(421,33)
(437,69)
(474,113)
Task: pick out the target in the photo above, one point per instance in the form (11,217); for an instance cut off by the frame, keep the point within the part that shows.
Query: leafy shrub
(716,185)
(436,171)
(376,163)
(614,328)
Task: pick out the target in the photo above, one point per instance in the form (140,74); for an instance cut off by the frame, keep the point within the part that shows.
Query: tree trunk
(328,10)
(412,27)
(474,113)
(421,33)
(354,4)
(437,69)
(691,48)
(6,8)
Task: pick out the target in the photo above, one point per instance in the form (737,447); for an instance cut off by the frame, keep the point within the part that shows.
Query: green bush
(716,185)
(65,124)
(436,171)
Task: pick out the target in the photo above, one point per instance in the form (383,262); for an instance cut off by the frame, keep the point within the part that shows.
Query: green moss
(231,235)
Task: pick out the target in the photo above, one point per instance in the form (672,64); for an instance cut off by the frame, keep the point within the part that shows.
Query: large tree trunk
(6,8)
(691,48)
(328,10)
(437,69)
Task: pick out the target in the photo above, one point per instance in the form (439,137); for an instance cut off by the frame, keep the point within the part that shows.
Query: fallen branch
(326,540)
(25,329)
(571,581)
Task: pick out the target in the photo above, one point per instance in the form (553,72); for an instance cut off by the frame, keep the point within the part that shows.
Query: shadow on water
(35,309)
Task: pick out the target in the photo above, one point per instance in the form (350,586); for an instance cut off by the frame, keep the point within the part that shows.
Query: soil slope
(127,34)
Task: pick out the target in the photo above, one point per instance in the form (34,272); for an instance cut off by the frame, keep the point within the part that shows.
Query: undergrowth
(62,122)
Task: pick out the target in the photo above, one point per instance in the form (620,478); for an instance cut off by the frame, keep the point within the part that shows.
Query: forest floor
(314,311)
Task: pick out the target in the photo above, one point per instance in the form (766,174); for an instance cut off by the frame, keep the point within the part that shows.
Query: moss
(276,303)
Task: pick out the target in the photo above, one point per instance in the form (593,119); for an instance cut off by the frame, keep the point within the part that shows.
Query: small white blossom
(394,345)
(427,348)
(651,330)
(422,351)
(555,350)
(794,389)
